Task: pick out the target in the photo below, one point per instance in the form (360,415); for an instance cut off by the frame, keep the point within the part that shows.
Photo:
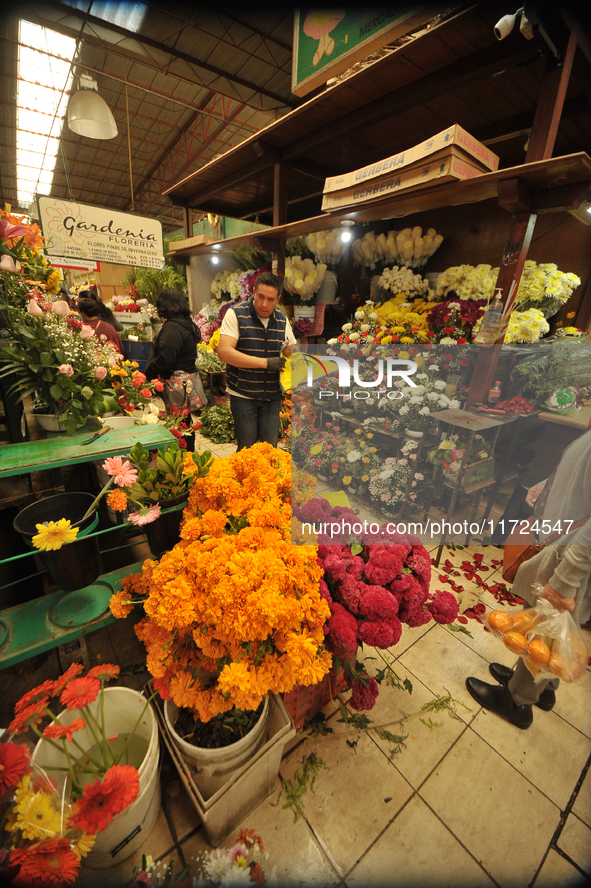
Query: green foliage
(317,725)
(302,779)
(457,627)
(250,258)
(167,479)
(150,281)
(217,424)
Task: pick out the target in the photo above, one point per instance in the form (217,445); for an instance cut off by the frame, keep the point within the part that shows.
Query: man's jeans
(255,420)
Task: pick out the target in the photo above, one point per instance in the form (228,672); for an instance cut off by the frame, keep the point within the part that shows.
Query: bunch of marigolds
(233,611)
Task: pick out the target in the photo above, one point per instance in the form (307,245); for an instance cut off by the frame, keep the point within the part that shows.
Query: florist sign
(81,231)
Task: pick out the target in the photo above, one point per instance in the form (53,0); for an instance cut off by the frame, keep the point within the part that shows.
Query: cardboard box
(447,166)
(454,135)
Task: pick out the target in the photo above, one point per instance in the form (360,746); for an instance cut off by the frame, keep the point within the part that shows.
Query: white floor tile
(575,840)
(582,805)
(417,850)
(503,821)
(558,873)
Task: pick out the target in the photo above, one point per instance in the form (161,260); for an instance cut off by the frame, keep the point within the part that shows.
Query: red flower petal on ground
(45,865)
(70,673)
(42,690)
(80,692)
(56,731)
(105,672)
(103,800)
(13,764)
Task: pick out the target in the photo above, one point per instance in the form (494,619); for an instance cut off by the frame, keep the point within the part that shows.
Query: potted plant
(233,612)
(54,357)
(133,392)
(100,755)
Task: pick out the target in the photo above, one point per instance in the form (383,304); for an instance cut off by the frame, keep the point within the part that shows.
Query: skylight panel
(44,79)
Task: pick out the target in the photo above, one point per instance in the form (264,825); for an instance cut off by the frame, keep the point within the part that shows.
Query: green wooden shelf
(44,623)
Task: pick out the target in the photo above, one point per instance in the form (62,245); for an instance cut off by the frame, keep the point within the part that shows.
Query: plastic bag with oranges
(549,640)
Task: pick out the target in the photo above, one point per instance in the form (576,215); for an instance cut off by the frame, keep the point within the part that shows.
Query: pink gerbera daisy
(145,515)
(122,471)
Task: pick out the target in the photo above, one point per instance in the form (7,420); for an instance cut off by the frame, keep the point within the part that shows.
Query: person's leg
(244,413)
(268,421)
(524,690)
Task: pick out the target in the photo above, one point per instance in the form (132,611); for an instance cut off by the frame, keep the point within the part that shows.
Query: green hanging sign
(328,41)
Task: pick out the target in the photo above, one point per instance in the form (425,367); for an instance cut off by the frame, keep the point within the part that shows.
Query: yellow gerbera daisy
(53,535)
(37,818)
(83,845)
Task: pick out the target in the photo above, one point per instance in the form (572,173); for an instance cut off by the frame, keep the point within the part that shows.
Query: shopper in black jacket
(175,347)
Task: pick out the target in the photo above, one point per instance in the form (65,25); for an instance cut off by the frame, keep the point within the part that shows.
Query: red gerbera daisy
(31,715)
(45,865)
(103,800)
(80,692)
(105,672)
(42,690)
(70,673)
(56,731)
(13,764)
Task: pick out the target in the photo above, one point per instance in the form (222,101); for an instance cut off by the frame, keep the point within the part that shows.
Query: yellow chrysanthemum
(347,479)
(53,535)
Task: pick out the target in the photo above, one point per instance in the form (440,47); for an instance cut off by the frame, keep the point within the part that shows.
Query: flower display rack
(304,703)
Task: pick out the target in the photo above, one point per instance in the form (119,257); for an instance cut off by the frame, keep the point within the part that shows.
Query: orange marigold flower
(117,500)
(102,800)
(80,692)
(120,605)
(56,731)
(105,672)
(50,864)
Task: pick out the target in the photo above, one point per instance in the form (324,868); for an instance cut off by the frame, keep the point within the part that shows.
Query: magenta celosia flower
(380,633)
(342,632)
(376,603)
(348,594)
(123,472)
(444,607)
(364,698)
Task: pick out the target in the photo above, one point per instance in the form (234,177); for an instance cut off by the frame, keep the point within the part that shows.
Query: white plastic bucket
(214,767)
(304,311)
(130,829)
(328,288)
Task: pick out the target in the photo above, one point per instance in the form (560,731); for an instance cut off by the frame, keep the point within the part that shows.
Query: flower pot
(328,288)
(374,288)
(322,477)
(304,311)
(76,564)
(411,433)
(119,421)
(48,422)
(164,533)
(130,829)
(215,767)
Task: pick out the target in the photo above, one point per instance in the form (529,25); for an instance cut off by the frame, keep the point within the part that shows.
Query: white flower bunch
(327,246)
(403,280)
(467,281)
(408,247)
(303,277)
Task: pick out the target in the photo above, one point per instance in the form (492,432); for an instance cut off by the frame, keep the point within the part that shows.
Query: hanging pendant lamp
(88,113)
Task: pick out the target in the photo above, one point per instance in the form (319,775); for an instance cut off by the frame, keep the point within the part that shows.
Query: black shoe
(500,701)
(503,674)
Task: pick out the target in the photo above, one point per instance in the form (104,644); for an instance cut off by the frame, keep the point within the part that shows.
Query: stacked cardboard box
(450,155)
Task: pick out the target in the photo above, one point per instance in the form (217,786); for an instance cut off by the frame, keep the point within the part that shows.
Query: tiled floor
(467,801)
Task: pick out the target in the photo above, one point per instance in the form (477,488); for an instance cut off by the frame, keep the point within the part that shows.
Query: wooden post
(187,222)
(549,107)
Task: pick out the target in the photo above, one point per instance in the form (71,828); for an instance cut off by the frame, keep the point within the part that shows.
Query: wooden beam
(262,149)
(512,127)
(550,104)
(466,71)
(517,244)
(515,196)
(565,197)
(280,177)
(230,181)
(583,318)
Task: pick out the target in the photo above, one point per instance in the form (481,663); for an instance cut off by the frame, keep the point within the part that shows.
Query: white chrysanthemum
(373,316)
(424,411)
(354,337)
(359,314)
(421,376)
(439,385)
(347,328)
(453,404)
(404,410)
(432,396)
(447,340)
(415,400)
(354,456)
(364,328)
(235,876)
(217,864)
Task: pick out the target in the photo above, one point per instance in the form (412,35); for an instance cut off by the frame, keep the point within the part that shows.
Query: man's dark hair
(88,307)
(172,304)
(268,279)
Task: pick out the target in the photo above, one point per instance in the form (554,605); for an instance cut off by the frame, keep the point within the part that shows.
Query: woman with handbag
(173,356)
(562,568)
